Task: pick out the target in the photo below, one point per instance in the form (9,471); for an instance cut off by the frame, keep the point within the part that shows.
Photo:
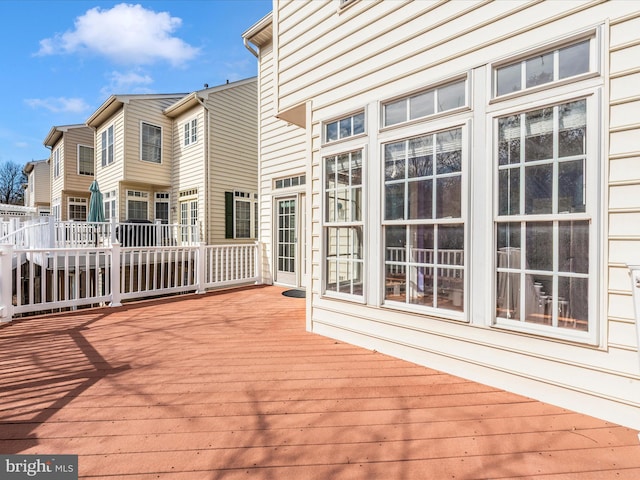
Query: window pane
(345,128)
(330,170)
(451,96)
(421,156)
(448,197)
(395,241)
(509,191)
(332,131)
(395,112)
(571,181)
(356,199)
(342,166)
(508,287)
(572,129)
(539,135)
(420,199)
(509,140)
(573,303)
(137,210)
(573,247)
(395,282)
(421,105)
(451,245)
(356,168)
(449,151)
(508,79)
(394,156)
(538,189)
(574,60)
(539,70)
(451,288)
(421,286)
(539,299)
(508,240)
(422,244)
(539,245)
(358,123)
(394,201)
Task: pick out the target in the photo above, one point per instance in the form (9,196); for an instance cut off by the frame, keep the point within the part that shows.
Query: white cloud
(126,34)
(127,82)
(59,104)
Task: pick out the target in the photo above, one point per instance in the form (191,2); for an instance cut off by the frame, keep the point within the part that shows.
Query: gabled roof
(115,102)
(193,99)
(56,132)
(31,165)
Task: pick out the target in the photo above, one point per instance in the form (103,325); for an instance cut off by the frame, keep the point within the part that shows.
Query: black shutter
(228,214)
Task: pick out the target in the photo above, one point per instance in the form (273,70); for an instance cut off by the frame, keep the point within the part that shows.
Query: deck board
(229,385)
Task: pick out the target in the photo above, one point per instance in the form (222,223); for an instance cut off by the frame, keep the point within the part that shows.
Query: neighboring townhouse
(215,161)
(470,176)
(133,141)
(71,166)
(37,192)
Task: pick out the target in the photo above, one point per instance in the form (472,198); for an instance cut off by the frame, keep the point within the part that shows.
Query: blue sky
(62,59)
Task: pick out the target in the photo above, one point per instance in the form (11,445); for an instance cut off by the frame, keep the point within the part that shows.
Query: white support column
(6,290)
(201,268)
(116,299)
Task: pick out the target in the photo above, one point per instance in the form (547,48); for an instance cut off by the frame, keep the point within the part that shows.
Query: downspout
(206,170)
(248,47)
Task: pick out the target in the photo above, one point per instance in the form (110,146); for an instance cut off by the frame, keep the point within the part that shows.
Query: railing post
(635,289)
(113,228)
(116,299)
(201,268)
(258,262)
(6,289)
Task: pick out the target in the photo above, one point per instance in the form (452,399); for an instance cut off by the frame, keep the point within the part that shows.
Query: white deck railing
(46,279)
(45,232)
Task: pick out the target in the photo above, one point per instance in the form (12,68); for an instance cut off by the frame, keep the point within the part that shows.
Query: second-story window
(107,147)
(56,163)
(151,144)
(344,128)
(85,160)
(191,132)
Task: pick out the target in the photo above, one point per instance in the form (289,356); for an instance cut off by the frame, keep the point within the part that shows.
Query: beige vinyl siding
(110,176)
(40,178)
(233,155)
(624,178)
(282,153)
(148,111)
(188,162)
(57,184)
(373,51)
(72,138)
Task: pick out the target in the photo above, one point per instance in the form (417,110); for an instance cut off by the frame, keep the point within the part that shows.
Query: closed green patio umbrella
(96,208)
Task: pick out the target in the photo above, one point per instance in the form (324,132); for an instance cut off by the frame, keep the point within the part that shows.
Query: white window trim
(466,76)
(344,116)
(252,199)
(349,144)
(143,197)
(453,120)
(595,209)
(142,123)
(77,201)
(78,160)
(595,64)
(188,125)
(105,147)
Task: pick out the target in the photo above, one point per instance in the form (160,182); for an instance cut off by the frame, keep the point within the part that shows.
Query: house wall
(40,179)
(354,58)
(72,138)
(188,162)
(57,183)
(110,175)
(282,154)
(148,111)
(233,154)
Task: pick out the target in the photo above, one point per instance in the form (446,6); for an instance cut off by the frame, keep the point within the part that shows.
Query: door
(287,241)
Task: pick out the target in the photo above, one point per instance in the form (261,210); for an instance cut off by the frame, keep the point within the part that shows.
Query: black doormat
(294,293)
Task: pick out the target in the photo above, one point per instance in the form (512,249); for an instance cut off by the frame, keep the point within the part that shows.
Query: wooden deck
(229,385)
